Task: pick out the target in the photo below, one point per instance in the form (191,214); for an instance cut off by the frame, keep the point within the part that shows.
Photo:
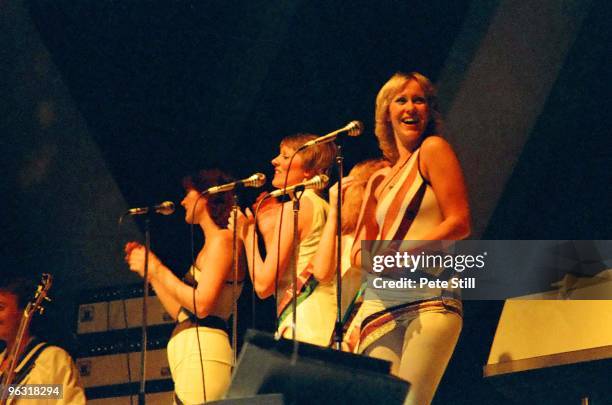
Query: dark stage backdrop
(107,105)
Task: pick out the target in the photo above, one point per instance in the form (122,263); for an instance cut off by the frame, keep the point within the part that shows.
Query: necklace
(393,180)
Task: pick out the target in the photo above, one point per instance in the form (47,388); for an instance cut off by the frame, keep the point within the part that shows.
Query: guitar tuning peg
(48,299)
(41,310)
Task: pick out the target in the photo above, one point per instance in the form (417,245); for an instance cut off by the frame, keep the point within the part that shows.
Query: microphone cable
(280,227)
(253,293)
(125,319)
(126,337)
(192,269)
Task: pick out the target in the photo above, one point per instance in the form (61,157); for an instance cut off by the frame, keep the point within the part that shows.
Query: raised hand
(135,258)
(244,225)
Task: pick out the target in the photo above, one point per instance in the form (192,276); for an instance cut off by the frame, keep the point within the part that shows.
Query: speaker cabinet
(307,374)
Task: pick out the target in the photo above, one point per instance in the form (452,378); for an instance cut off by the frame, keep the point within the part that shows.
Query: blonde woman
(422,196)
(315,310)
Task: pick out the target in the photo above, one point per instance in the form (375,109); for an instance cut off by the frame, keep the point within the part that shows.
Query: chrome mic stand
(235,258)
(145,296)
(338,324)
(297,195)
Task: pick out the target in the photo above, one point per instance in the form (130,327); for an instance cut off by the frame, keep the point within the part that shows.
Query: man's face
(10,316)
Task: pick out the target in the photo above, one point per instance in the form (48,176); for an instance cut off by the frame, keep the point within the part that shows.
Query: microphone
(165,208)
(353,128)
(256,180)
(317,182)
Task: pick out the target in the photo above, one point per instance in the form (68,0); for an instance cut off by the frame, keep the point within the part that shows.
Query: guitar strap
(27,360)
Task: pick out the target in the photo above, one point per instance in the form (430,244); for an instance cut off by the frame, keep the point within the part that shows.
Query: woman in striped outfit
(421,197)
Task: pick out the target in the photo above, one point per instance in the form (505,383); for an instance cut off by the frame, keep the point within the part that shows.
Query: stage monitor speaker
(265,399)
(307,374)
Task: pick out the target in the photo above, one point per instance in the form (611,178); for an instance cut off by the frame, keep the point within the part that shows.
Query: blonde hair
(351,205)
(383,128)
(317,159)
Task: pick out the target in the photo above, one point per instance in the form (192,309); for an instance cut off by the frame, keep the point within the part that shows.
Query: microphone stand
(293,268)
(145,296)
(338,325)
(235,258)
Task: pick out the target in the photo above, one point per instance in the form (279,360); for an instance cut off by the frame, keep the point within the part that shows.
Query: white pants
(315,317)
(419,347)
(186,367)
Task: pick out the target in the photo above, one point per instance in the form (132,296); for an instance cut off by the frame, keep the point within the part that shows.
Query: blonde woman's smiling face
(281,166)
(409,114)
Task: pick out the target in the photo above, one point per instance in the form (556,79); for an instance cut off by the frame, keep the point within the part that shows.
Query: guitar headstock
(41,295)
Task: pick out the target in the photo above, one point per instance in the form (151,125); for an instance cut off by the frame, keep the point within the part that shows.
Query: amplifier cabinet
(116,309)
(112,369)
(93,317)
(158,398)
(156,314)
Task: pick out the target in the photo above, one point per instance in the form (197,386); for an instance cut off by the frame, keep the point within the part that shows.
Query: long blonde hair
(383,128)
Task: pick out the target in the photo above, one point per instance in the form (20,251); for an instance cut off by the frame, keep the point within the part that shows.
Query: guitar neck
(32,308)
(14,356)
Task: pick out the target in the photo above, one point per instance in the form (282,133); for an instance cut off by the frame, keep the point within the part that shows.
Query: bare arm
(264,275)
(441,168)
(216,266)
(367,228)
(324,260)
(135,258)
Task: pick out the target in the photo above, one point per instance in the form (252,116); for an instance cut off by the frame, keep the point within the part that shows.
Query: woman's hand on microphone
(135,258)
(245,224)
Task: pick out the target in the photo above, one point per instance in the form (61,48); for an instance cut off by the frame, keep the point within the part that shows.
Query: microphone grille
(256,180)
(321,181)
(355,128)
(166,208)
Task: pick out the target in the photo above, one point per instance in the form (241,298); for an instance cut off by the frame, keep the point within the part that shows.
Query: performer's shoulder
(52,354)
(434,144)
